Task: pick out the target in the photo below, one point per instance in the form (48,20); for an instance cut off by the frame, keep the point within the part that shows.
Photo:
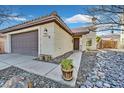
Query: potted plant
(67,69)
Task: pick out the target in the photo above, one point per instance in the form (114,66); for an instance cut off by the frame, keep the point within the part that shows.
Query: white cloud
(19,18)
(16,17)
(79,18)
(108,33)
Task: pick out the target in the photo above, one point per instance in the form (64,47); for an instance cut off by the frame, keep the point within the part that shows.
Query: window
(89,42)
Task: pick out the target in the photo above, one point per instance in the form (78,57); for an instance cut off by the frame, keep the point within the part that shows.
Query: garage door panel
(25,43)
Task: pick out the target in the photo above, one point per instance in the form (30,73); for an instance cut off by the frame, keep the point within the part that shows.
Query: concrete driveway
(25,62)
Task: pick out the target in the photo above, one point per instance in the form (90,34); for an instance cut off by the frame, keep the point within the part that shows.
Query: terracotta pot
(67,74)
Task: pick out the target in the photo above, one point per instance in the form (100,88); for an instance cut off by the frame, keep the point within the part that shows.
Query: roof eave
(80,33)
(43,21)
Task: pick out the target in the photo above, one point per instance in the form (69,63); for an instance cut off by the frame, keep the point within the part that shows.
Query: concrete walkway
(49,70)
(56,73)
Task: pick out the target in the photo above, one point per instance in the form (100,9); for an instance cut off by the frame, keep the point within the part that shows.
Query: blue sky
(72,15)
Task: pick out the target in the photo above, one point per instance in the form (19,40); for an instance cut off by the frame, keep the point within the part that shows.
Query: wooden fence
(107,44)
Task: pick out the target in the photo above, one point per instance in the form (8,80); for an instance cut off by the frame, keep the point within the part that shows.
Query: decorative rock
(34,84)
(2,82)
(89,84)
(107,71)
(99,84)
(79,83)
(101,74)
(83,86)
(114,83)
(16,82)
(106,85)
(94,79)
(18,78)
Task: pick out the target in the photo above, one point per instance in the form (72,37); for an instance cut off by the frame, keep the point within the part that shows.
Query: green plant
(67,64)
(98,38)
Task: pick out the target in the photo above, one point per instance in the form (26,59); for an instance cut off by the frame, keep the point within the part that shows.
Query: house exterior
(46,35)
(86,36)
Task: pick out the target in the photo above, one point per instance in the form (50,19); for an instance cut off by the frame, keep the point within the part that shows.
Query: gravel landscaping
(104,69)
(38,81)
(98,69)
(87,64)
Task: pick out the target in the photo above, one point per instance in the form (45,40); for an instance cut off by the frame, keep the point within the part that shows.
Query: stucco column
(8,44)
(46,39)
(80,45)
(83,42)
(39,41)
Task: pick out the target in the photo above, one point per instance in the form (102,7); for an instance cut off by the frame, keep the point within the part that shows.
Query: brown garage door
(25,43)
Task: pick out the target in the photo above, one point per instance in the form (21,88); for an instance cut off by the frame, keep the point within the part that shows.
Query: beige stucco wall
(45,44)
(56,42)
(83,40)
(83,43)
(122,40)
(118,43)
(47,40)
(63,41)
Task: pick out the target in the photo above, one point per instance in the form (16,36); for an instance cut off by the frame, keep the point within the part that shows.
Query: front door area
(76,43)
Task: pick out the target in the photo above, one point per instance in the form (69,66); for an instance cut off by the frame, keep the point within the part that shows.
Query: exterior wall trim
(39,41)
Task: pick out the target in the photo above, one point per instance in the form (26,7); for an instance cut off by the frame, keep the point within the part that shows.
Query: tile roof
(83,30)
(53,17)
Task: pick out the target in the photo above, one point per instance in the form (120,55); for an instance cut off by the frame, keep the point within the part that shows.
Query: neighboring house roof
(53,17)
(111,36)
(83,30)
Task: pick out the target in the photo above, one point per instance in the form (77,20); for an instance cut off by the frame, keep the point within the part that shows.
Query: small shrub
(67,64)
